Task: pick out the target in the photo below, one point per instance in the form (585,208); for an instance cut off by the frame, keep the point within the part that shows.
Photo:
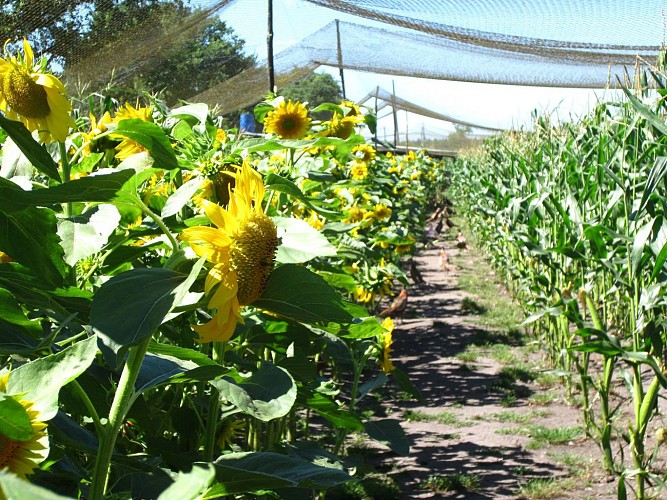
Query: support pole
(377,93)
(269,46)
(340,59)
(393,106)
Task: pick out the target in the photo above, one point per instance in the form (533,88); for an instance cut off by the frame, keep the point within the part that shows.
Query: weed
(541,436)
(540,488)
(369,486)
(470,306)
(576,464)
(542,398)
(452,482)
(519,372)
(519,418)
(468,356)
(443,417)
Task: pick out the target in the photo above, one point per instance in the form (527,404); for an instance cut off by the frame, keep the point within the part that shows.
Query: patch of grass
(541,488)
(468,356)
(576,465)
(470,306)
(519,418)
(443,417)
(541,436)
(508,400)
(547,380)
(451,482)
(503,354)
(542,398)
(518,372)
(371,485)
(499,310)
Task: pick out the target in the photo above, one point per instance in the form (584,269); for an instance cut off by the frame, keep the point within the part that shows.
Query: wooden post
(340,59)
(269,46)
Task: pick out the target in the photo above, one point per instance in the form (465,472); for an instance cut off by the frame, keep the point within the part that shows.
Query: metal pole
(407,135)
(393,106)
(377,92)
(269,46)
(340,59)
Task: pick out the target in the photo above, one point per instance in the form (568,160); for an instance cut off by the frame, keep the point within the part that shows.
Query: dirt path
(492,423)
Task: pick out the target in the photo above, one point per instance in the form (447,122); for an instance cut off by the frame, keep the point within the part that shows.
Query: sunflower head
(252,256)
(22,457)
(242,248)
(289,120)
(359,170)
(31,95)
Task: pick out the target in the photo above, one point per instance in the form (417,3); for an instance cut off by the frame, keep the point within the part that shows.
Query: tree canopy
(315,89)
(141,45)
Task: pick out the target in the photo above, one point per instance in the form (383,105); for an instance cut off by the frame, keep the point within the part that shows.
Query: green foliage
(104,290)
(316,89)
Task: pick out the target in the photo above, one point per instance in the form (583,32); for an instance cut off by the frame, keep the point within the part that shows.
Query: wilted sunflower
(242,248)
(386,342)
(289,120)
(34,97)
(22,457)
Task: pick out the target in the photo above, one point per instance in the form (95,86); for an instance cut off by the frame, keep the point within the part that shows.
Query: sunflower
(96,128)
(289,120)
(34,97)
(359,170)
(381,211)
(129,147)
(241,248)
(229,431)
(386,342)
(364,153)
(22,457)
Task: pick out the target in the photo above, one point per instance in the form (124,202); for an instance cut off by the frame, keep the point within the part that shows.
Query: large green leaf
(29,237)
(15,488)
(189,485)
(130,306)
(241,472)
(92,188)
(152,137)
(156,370)
(275,182)
(328,409)
(37,155)
(83,239)
(182,195)
(389,432)
(297,293)
(11,312)
(268,394)
(14,419)
(300,242)
(40,380)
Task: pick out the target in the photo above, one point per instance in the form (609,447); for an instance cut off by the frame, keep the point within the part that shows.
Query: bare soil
(480,409)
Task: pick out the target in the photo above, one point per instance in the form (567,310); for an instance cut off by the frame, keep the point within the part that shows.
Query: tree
(141,45)
(315,89)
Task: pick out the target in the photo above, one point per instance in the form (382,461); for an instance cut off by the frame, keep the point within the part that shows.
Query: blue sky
(502,106)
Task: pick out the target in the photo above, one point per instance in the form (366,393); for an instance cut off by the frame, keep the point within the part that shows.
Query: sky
(491,105)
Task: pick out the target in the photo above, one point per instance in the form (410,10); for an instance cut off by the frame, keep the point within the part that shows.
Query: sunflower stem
(213,408)
(119,408)
(156,218)
(67,207)
(83,396)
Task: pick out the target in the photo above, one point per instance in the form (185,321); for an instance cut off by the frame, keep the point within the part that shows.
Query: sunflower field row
(573,217)
(181,303)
